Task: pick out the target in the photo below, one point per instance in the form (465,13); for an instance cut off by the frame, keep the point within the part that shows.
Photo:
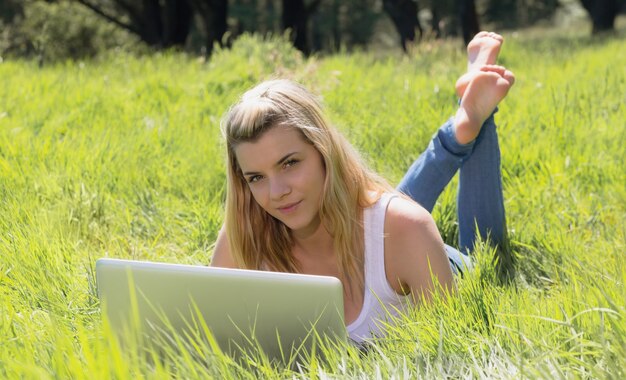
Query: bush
(58,31)
(519,13)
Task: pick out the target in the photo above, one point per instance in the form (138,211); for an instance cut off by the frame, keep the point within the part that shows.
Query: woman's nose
(279,188)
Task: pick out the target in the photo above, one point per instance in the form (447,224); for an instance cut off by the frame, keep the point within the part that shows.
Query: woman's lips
(289,207)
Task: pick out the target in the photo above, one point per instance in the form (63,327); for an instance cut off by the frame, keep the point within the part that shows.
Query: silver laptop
(280,313)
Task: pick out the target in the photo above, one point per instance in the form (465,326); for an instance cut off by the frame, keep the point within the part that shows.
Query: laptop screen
(243,309)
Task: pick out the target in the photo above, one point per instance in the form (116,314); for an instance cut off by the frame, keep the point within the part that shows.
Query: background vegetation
(54,30)
(121,157)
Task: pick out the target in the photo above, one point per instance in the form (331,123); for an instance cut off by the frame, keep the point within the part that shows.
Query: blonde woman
(301,200)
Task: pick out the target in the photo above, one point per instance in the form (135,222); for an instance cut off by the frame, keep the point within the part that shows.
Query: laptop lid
(243,309)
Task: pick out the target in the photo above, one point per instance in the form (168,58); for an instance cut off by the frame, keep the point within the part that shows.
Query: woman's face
(286,177)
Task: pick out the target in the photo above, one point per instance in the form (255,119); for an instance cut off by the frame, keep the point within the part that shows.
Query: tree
(164,23)
(469,19)
(213,14)
(518,13)
(403,13)
(295,18)
(9,9)
(602,13)
(159,24)
(454,17)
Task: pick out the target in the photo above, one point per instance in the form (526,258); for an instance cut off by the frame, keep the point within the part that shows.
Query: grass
(122,157)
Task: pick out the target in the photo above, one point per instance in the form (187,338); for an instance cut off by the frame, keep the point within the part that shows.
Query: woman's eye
(290,163)
(254,178)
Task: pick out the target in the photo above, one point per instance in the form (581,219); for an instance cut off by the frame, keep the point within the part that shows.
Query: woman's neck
(314,244)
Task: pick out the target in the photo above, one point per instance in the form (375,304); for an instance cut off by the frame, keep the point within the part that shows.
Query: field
(122,157)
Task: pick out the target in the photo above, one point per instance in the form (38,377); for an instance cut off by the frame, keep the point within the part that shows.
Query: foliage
(517,13)
(359,20)
(58,31)
(64,29)
(122,157)
(603,13)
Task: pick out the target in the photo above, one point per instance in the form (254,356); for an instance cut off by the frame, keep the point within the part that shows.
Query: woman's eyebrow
(285,157)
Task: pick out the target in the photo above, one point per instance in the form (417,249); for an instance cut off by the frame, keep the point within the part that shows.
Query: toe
(509,76)
(496,36)
(494,68)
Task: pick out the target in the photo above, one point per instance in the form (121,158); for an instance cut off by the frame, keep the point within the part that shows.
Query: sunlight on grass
(122,157)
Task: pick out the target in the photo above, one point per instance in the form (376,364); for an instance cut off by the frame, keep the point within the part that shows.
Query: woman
(301,200)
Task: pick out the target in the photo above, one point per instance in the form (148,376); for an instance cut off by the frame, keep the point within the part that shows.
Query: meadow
(122,157)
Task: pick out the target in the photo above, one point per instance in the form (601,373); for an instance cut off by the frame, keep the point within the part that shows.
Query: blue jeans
(480,203)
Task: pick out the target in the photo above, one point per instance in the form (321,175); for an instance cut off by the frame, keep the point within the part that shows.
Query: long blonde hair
(257,240)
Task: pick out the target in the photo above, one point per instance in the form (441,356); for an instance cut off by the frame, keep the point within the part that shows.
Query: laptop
(281,314)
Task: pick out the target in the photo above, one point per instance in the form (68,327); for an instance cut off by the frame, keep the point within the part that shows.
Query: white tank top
(379,299)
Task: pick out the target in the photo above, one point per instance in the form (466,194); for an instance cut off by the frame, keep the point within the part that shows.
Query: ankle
(447,136)
(466,127)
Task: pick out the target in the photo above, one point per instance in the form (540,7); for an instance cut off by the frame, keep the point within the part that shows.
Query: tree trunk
(436,18)
(469,19)
(602,13)
(403,13)
(336,25)
(150,24)
(219,24)
(178,16)
(166,23)
(158,23)
(295,18)
(213,14)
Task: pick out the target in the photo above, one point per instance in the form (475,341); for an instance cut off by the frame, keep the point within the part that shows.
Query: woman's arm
(413,250)
(221,253)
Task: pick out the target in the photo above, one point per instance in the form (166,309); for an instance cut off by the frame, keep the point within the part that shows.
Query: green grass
(122,157)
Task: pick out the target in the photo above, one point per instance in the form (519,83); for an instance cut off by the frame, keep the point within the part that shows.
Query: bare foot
(487,88)
(482,50)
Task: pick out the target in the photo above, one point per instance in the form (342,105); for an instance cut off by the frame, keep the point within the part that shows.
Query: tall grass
(122,157)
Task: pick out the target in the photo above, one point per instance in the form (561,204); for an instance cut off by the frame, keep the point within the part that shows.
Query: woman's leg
(480,203)
(433,169)
(459,262)
(431,173)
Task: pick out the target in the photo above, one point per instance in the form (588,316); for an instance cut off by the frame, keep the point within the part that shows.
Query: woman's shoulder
(413,247)
(405,214)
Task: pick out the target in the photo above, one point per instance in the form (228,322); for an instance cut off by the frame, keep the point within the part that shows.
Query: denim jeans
(480,203)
